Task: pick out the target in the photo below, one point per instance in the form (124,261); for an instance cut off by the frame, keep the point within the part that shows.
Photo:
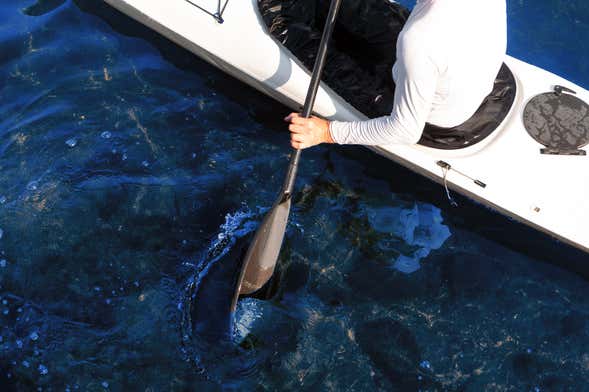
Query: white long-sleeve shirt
(448,55)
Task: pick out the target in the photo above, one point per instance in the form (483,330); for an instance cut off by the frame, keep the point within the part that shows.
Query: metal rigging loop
(218,14)
(445,169)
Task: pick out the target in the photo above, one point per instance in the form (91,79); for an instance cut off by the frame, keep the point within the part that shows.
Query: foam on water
(419,227)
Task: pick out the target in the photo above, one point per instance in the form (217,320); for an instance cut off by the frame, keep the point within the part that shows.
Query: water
(132,175)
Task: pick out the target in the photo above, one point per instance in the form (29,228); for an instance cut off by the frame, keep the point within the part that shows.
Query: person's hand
(307,132)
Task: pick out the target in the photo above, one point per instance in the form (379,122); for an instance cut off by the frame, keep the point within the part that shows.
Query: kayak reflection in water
(448,53)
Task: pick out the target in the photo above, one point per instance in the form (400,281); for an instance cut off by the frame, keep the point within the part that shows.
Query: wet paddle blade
(260,259)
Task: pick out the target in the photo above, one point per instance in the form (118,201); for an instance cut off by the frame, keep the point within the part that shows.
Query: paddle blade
(260,259)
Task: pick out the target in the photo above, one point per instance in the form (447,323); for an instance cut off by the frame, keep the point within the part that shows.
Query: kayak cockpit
(362,56)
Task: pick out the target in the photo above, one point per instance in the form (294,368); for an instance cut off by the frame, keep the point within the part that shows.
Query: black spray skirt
(361,57)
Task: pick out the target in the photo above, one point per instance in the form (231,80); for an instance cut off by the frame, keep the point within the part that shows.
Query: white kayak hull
(547,192)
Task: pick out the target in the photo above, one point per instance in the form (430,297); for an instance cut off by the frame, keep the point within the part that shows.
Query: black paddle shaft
(312,93)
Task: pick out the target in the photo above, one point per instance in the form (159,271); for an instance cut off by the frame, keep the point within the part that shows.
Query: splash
(236,226)
(208,330)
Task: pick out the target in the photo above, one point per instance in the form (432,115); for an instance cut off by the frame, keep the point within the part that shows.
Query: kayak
(524,168)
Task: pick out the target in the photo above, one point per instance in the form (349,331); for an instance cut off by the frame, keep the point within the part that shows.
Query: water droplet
(145,164)
(107,301)
(71,143)
(193,155)
(124,157)
(2,199)
(1,233)
(3,263)
(104,384)
(106,135)
(33,185)
(136,283)
(529,351)
(19,343)
(4,302)
(34,336)
(5,311)
(43,369)
(425,365)
(26,364)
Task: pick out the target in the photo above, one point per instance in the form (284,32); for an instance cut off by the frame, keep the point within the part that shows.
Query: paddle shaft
(260,260)
(312,93)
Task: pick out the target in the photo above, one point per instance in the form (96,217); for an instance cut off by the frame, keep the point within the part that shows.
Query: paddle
(260,259)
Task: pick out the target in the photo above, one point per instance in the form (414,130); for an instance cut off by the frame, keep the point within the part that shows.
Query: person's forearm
(378,131)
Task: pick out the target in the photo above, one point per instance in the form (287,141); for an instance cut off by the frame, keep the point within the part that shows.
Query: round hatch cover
(559,121)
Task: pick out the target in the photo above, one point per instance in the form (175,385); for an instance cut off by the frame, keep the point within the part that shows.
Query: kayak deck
(547,192)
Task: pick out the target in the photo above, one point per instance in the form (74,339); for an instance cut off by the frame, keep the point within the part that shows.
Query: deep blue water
(132,174)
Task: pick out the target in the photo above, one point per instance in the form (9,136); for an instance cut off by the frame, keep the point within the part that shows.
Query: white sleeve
(417,78)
